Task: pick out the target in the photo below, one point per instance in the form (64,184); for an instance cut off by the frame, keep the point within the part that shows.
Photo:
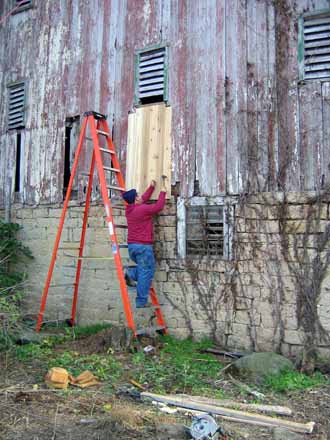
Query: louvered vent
(317,47)
(205,231)
(16,105)
(151,74)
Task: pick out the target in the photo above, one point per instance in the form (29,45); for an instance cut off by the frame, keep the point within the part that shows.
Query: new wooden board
(149,148)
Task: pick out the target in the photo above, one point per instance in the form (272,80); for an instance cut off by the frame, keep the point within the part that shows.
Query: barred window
(205,231)
(205,228)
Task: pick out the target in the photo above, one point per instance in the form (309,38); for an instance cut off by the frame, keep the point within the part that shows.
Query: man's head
(132,197)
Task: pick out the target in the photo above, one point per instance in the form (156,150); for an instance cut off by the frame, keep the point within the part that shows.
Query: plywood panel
(149,148)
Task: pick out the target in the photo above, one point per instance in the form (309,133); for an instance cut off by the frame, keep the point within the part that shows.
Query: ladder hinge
(95,114)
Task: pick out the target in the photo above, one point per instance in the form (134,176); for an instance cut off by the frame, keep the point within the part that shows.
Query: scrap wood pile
(60,378)
(197,405)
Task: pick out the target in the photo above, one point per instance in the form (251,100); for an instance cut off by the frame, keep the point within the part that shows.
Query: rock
(284,434)
(257,366)
(166,431)
(28,336)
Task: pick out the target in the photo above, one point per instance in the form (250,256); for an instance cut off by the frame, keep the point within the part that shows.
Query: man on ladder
(140,240)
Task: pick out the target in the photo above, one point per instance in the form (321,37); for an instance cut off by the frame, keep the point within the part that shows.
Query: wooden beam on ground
(231,414)
(274,409)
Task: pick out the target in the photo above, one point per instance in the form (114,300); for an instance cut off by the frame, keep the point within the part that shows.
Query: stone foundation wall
(273,294)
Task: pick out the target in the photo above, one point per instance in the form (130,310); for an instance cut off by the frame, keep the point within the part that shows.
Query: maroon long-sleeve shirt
(139,218)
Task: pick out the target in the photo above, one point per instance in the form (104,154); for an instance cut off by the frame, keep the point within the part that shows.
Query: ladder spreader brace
(98,126)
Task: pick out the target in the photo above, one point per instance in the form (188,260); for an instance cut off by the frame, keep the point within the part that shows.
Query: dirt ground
(30,410)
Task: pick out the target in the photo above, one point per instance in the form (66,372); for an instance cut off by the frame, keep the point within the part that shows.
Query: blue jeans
(143,273)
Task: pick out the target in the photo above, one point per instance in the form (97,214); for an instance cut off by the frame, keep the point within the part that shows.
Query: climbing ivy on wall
(12,253)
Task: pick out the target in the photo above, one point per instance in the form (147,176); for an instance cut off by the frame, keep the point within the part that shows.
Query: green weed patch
(105,367)
(294,381)
(180,367)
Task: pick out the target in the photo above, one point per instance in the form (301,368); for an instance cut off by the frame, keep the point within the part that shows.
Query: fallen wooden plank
(238,416)
(275,409)
(231,354)
(246,388)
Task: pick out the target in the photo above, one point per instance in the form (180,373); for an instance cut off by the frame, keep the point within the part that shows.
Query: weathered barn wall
(242,123)
(273,295)
(242,119)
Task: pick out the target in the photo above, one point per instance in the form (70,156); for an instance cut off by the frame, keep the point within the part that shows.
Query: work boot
(129,281)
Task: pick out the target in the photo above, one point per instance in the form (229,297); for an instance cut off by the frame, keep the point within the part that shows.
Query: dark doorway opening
(18,163)
(71,125)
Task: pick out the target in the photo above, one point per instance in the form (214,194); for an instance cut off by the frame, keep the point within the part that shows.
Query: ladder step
(88,138)
(62,285)
(95,258)
(128,266)
(121,226)
(68,249)
(147,330)
(103,133)
(105,150)
(116,188)
(88,258)
(123,246)
(150,307)
(113,170)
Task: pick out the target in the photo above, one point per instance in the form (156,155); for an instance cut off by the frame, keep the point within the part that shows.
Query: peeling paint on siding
(233,87)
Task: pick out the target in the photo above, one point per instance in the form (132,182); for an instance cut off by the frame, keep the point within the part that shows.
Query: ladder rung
(115,170)
(128,266)
(103,133)
(123,246)
(142,331)
(121,226)
(68,249)
(88,138)
(84,173)
(116,188)
(105,150)
(94,258)
(150,307)
(88,258)
(62,285)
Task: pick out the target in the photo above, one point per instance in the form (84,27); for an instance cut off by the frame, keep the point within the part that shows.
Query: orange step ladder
(98,126)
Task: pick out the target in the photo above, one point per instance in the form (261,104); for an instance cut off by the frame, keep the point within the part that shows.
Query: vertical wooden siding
(240,117)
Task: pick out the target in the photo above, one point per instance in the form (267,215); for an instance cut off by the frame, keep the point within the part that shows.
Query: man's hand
(153,183)
(163,188)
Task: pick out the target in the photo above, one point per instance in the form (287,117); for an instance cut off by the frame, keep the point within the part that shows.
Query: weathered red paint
(231,99)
